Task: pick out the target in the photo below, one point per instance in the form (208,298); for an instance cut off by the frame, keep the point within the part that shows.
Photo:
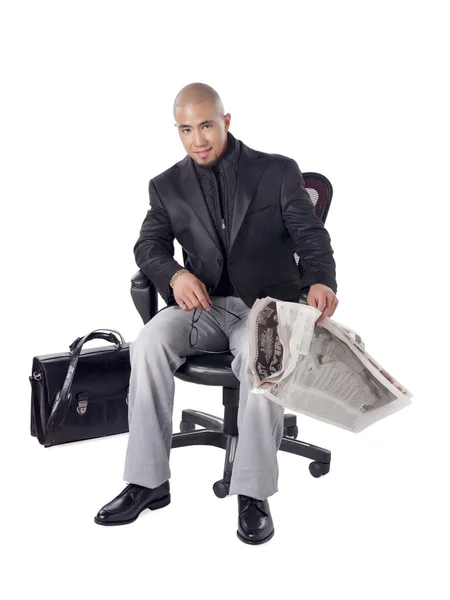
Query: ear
(227,119)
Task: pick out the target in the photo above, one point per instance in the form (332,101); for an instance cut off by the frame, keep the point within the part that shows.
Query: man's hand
(190,292)
(324,299)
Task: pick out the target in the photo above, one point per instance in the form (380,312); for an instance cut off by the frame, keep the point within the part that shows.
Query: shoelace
(249,501)
(133,489)
(254,500)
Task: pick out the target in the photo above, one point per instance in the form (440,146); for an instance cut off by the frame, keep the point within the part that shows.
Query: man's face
(202,131)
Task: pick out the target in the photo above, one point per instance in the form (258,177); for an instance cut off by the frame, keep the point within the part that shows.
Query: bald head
(201,124)
(195,93)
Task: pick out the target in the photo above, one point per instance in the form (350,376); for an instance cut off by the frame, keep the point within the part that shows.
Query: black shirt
(218,183)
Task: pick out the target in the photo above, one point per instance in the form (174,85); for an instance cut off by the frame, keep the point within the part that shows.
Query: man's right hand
(190,292)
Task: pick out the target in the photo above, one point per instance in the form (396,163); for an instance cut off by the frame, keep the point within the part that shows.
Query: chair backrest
(320,191)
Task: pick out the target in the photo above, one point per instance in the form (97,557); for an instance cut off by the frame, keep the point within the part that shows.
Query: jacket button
(219,260)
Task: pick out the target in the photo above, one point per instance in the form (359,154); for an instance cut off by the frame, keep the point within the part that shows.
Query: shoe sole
(153,506)
(255,543)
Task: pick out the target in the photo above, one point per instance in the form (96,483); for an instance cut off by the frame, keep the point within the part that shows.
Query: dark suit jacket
(273,218)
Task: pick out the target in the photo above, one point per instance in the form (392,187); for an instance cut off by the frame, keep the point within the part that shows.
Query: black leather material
(255,524)
(145,296)
(128,505)
(80,394)
(209,369)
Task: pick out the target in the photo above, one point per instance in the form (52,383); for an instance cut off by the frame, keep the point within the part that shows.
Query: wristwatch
(176,275)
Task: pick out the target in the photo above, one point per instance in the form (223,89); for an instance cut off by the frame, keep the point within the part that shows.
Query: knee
(153,338)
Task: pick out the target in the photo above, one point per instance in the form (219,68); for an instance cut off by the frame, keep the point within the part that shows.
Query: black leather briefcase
(81,394)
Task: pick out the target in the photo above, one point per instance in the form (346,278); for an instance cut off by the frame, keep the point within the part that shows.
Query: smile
(203,153)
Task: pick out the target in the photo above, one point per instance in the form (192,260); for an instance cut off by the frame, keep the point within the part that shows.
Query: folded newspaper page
(322,371)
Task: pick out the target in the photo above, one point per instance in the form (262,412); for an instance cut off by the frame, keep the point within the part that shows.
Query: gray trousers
(159,350)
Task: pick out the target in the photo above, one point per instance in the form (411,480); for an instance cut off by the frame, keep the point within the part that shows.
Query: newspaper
(322,371)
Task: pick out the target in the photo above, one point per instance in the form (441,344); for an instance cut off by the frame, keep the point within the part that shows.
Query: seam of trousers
(169,413)
(277,422)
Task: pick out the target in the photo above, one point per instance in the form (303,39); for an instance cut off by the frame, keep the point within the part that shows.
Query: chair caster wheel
(221,488)
(185,426)
(291,431)
(317,469)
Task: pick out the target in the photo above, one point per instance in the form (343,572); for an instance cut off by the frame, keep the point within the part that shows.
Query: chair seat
(209,369)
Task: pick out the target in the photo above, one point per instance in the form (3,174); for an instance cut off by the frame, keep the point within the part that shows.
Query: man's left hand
(324,299)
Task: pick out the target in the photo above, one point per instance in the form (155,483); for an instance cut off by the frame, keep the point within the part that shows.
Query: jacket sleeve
(311,240)
(154,250)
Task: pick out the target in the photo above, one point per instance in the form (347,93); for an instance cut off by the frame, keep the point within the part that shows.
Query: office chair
(215,370)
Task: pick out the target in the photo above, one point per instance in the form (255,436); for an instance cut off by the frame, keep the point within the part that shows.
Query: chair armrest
(140,280)
(304,295)
(144,295)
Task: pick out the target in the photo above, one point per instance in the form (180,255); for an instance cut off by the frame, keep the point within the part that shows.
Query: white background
(354,90)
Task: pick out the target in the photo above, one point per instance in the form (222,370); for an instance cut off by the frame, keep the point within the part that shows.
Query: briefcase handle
(63,397)
(98,334)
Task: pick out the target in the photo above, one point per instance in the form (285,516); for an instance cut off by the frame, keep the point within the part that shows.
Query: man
(239,215)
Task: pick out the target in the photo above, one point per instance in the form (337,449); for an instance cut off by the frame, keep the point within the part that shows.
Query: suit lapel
(251,167)
(189,186)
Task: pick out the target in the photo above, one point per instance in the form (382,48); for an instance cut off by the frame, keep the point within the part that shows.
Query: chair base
(222,433)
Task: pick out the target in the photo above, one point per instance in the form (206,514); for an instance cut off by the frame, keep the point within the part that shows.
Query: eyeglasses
(195,318)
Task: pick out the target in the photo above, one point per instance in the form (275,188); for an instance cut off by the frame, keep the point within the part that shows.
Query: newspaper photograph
(322,371)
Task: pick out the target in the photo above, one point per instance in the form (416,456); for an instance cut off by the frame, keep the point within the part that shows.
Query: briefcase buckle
(82,403)
(82,407)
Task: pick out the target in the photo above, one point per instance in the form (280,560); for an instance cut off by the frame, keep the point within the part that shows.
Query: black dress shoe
(128,505)
(255,525)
